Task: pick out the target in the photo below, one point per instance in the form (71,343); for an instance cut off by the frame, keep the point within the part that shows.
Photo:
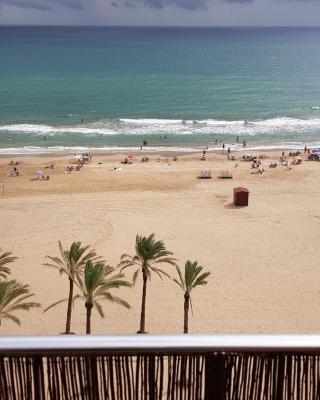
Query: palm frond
(99,279)
(13,296)
(5,258)
(54,304)
(135,276)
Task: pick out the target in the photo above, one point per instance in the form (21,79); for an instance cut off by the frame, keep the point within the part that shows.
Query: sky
(161,12)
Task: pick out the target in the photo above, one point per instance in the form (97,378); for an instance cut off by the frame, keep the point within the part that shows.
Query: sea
(70,89)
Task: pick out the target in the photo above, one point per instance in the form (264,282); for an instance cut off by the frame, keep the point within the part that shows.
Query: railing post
(38,383)
(151,376)
(215,377)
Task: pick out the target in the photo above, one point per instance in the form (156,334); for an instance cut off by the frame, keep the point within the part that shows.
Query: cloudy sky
(162,12)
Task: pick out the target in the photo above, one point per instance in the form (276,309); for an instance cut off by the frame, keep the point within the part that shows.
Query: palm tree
(191,279)
(96,286)
(149,253)
(5,258)
(13,296)
(71,263)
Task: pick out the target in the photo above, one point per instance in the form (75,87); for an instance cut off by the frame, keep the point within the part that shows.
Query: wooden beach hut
(240,197)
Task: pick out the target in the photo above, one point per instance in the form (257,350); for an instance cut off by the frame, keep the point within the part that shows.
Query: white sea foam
(274,126)
(157,149)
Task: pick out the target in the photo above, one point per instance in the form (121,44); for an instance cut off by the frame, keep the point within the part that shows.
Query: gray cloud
(44,5)
(128,4)
(239,1)
(74,4)
(190,5)
(186,4)
(27,4)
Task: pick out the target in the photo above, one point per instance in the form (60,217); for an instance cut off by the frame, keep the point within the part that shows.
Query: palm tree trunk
(143,304)
(69,309)
(186,312)
(88,324)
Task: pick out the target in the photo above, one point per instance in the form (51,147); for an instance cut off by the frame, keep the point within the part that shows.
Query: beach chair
(205,175)
(225,175)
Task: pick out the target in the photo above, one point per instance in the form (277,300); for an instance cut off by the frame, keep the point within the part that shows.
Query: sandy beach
(262,258)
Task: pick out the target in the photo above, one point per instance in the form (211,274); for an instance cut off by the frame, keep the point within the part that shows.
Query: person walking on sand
(244,143)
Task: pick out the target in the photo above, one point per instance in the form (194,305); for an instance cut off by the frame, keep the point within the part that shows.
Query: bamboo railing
(184,367)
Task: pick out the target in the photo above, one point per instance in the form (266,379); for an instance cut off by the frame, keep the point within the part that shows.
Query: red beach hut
(240,197)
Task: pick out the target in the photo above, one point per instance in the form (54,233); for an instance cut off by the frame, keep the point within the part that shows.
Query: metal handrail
(159,344)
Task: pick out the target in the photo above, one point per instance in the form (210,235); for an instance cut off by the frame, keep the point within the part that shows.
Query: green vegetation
(149,254)
(14,296)
(190,280)
(95,287)
(95,281)
(71,264)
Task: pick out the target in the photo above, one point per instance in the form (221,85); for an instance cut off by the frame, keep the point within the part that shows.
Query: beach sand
(263,258)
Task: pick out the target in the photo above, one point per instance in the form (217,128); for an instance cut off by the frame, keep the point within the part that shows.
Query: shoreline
(145,152)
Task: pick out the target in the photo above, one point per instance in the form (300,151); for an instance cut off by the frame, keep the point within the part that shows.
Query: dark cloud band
(190,5)
(45,5)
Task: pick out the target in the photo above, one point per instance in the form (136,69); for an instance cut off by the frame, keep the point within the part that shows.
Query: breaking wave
(127,126)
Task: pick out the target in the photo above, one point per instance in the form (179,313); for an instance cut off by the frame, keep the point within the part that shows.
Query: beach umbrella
(38,172)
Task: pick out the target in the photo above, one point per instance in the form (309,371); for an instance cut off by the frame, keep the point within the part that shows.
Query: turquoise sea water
(179,88)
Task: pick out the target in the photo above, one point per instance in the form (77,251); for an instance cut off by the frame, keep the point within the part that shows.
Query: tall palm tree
(96,285)
(71,263)
(13,296)
(5,258)
(191,279)
(149,253)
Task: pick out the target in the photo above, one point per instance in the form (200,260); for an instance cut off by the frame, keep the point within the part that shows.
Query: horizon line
(165,26)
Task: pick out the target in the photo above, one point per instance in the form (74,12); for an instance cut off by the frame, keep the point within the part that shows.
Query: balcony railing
(217,367)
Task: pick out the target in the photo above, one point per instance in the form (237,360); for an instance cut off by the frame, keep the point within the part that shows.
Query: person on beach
(216,142)
(244,143)
(204,152)
(223,146)
(237,139)
(305,149)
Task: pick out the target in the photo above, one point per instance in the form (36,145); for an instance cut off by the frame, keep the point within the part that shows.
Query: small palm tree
(13,296)
(96,286)
(5,258)
(191,279)
(71,263)
(149,253)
